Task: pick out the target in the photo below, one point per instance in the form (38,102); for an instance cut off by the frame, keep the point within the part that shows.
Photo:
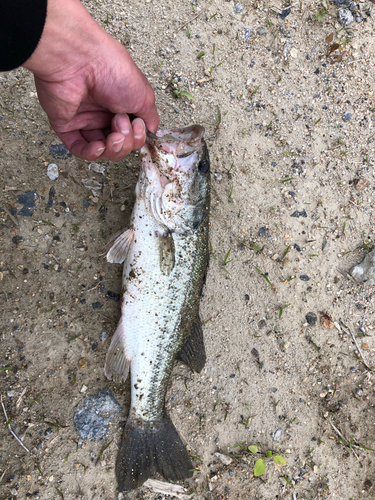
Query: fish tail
(147,449)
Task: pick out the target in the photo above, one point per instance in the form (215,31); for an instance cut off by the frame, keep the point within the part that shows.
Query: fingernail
(141,135)
(99,151)
(123,124)
(117,145)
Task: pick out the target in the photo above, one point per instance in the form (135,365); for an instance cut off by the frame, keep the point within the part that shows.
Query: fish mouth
(179,142)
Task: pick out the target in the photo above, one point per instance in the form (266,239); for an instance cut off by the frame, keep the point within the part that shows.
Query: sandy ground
(284,202)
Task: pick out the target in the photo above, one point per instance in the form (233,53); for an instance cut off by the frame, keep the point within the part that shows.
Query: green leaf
(253,448)
(269,453)
(259,468)
(279,459)
(186,94)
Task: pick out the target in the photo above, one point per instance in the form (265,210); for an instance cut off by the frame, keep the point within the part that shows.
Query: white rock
(293,52)
(84,388)
(53,171)
(226,460)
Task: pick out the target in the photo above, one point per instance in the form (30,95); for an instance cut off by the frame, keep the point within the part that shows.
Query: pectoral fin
(167,253)
(116,365)
(120,248)
(194,353)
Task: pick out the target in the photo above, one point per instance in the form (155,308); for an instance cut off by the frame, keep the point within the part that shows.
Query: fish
(165,254)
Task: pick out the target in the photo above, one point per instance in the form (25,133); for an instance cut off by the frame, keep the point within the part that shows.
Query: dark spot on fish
(132,274)
(204,166)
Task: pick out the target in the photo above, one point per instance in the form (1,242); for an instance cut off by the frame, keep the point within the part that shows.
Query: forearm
(70,34)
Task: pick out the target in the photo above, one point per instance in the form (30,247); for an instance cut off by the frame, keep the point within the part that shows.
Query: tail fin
(149,449)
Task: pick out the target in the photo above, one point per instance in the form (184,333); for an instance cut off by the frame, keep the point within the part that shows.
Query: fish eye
(204,166)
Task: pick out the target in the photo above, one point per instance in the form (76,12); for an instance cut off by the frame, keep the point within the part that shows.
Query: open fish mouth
(178,143)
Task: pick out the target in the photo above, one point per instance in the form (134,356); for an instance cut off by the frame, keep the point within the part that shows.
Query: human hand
(88,84)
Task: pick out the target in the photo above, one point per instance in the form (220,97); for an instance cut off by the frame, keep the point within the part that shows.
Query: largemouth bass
(165,255)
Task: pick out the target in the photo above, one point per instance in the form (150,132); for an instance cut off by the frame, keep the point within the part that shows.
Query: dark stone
(232,375)
(17,239)
(347,116)
(285,13)
(311,318)
(304,277)
(93,414)
(25,270)
(56,238)
(254,352)
(353,370)
(113,296)
(247,297)
(15,328)
(87,203)
(27,199)
(343,3)
(317,71)
(301,213)
(297,247)
(262,324)
(51,195)
(59,151)
(97,305)
(263,231)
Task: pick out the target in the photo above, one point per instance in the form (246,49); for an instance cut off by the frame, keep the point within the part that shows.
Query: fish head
(175,177)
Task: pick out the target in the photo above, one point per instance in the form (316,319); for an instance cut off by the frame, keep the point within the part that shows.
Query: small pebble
(27,199)
(59,151)
(301,213)
(311,318)
(104,335)
(353,370)
(297,247)
(347,116)
(238,8)
(263,231)
(304,277)
(261,31)
(53,171)
(345,17)
(247,33)
(342,3)
(97,305)
(284,13)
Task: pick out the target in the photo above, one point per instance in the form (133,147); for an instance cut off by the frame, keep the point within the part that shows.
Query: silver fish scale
(159,310)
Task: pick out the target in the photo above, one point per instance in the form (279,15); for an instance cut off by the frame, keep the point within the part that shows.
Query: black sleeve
(21,26)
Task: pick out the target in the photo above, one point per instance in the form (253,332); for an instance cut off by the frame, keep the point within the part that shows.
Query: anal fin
(120,247)
(116,365)
(194,353)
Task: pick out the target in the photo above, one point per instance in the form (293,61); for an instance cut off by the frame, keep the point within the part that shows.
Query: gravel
(311,318)
(59,151)
(53,171)
(93,414)
(347,116)
(365,271)
(27,199)
(261,31)
(345,17)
